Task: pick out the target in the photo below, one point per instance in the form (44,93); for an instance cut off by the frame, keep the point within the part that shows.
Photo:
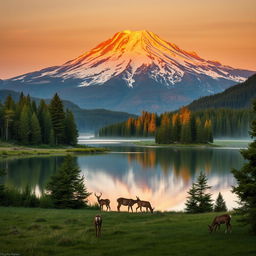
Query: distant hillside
(88,120)
(236,97)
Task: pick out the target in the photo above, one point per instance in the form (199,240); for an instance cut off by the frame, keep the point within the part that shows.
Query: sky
(35,34)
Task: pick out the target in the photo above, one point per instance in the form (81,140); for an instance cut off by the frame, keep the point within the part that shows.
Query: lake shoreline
(8,149)
(240,144)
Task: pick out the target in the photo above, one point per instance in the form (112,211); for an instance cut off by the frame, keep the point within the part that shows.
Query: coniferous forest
(185,126)
(27,123)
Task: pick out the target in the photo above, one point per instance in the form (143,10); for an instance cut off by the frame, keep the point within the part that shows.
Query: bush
(13,197)
(45,201)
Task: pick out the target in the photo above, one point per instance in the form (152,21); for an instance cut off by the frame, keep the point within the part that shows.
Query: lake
(161,175)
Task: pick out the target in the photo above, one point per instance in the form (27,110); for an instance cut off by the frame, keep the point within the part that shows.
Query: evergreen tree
(66,187)
(71,132)
(199,200)
(185,136)
(8,117)
(45,121)
(203,198)
(9,112)
(35,130)
(192,203)
(193,129)
(220,205)
(58,119)
(24,125)
(246,180)
(52,138)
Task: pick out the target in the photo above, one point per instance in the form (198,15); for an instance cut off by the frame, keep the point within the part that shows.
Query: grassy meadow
(38,232)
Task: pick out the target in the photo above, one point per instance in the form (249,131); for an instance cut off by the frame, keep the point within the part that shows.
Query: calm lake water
(160,175)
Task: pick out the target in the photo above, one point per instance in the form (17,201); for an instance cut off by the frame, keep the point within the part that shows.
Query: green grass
(8,149)
(71,232)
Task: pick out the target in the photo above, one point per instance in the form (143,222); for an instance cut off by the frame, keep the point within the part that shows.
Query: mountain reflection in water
(160,175)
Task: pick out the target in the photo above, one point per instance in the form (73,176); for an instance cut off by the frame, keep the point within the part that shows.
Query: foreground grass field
(71,232)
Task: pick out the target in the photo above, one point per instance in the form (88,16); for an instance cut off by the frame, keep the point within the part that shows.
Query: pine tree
(192,203)
(24,125)
(58,119)
(71,132)
(185,136)
(8,117)
(45,121)
(35,130)
(246,180)
(220,205)
(203,198)
(52,138)
(9,112)
(66,187)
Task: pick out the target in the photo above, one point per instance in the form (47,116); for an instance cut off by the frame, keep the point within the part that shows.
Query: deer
(126,202)
(97,224)
(145,204)
(218,220)
(103,202)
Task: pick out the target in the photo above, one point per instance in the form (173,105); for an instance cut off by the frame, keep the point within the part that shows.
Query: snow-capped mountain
(132,71)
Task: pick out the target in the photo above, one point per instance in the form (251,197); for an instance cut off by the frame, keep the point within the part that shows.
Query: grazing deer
(126,202)
(218,220)
(103,202)
(97,224)
(145,204)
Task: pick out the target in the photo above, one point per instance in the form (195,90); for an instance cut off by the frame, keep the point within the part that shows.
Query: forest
(27,123)
(185,126)
(239,96)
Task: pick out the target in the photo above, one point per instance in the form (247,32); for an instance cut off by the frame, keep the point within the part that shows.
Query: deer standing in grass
(145,204)
(103,202)
(126,202)
(97,224)
(218,220)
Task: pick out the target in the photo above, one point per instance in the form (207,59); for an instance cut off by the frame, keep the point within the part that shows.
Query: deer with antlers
(97,224)
(218,220)
(103,202)
(145,204)
(126,202)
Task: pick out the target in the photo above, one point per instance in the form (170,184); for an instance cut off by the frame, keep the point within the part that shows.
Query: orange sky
(42,33)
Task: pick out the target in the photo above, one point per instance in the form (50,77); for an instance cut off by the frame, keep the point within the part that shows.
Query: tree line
(185,125)
(239,96)
(27,123)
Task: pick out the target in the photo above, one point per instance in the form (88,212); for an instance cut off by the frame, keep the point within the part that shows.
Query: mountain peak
(128,54)
(134,71)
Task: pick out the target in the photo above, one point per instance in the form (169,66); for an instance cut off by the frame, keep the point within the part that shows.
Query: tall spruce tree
(66,187)
(220,205)
(192,203)
(58,119)
(71,132)
(24,125)
(199,200)
(45,121)
(246,180)
(204,199)
(35,130)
